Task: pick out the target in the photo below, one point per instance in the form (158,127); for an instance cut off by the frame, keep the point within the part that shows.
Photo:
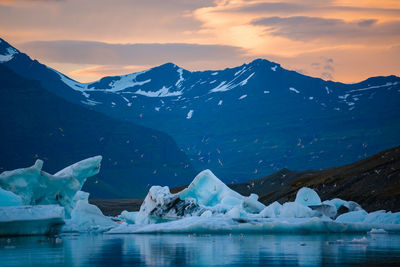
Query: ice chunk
(8,198)
(36,187)
(252,205)
(351,217)
(208,190)
(296,210)
(129,217)
(30,220)
(307,197)
(336,202)
(160,205)
(377,231)
(271,211)
(323,209)
(206,214)
(86,217)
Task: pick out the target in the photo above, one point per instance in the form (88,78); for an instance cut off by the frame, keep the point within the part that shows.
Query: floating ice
(377,231)
(86,217)
(36,187)
(207,205)
(129,217)
(307,197)
(35,202)
(160,205)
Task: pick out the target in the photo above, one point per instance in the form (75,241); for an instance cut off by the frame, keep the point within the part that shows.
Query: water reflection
(170,250)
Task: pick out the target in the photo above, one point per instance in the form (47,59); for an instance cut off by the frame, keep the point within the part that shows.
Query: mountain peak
(262,61)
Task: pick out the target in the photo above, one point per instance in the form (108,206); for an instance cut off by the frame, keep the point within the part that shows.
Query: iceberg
(36,187)
(207,205)
(86,217)
(35,202)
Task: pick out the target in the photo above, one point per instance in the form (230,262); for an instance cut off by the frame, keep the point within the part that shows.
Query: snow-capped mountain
(35,123)
(247,121)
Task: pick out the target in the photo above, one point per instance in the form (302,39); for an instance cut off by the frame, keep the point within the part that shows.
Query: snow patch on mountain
(240,71)
(126,81)
(294,90)
(243,96)
(9,55)
(163,92)
(244,82)
(91,102)
(373,87)
(328,91)
(181,79)
(190,114)
(274,68)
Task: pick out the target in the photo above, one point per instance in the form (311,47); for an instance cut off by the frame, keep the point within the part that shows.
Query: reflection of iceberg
(33,201)
(208,205)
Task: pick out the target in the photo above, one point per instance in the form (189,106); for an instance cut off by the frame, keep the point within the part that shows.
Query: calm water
(239,250)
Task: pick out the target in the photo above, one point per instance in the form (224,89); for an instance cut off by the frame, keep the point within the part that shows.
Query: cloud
(99,53)
(296,7)
(271,7)
(303,28)
(109,70)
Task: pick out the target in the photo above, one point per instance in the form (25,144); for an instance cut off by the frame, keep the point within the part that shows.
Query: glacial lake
(200,250)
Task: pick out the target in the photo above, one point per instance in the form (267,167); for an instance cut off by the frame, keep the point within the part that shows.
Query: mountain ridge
(251,119)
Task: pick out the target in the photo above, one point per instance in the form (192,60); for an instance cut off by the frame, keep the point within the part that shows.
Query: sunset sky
(339,40)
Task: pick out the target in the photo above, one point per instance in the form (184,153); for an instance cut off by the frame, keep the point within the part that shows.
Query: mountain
(35,123)
(245,121)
